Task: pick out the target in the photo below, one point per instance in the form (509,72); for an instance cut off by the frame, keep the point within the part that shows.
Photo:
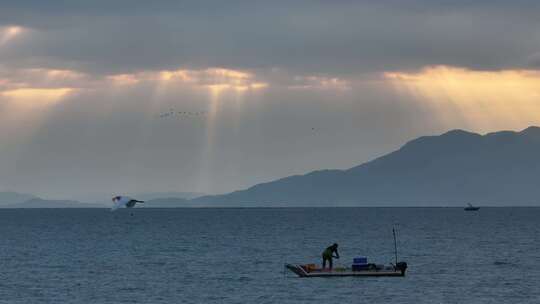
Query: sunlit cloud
(124,79)
(42,78)
(8,33)
(171,75)
(35,98)
(212,79)
(319,83)
(60,74)
(216,81)
(484,100)
(28,95)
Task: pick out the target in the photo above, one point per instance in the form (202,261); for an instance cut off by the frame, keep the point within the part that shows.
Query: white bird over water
(124,202)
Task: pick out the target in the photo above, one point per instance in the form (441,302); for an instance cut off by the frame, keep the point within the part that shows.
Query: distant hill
(452,169)
(166,195)
(41,203)
(172,202)
(8,198)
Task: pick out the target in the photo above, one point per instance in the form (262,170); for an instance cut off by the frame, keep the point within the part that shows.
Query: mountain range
(42,203)
(452,169)
(11,199)
(164,195)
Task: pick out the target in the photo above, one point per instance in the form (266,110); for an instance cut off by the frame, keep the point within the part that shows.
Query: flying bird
(124,202)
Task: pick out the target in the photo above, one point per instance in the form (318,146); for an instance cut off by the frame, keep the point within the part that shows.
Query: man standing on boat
(328,254)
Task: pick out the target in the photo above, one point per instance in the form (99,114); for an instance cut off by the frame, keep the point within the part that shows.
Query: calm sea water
(237,255)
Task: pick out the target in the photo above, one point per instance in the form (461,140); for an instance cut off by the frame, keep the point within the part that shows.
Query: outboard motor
(401,266)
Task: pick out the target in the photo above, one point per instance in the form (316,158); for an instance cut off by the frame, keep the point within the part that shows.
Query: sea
(237,255)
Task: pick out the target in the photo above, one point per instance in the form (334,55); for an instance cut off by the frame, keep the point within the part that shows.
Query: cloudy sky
(274,87)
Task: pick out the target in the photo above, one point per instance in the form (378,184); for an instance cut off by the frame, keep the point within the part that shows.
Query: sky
(259,89)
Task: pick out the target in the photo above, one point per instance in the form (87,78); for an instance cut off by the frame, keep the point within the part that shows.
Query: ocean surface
(237,255)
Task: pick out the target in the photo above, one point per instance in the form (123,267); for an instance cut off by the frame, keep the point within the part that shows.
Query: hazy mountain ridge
(10,197)
(153,200)
(42,203)
(452,169)
(167,202)
(167,195)
(500,168)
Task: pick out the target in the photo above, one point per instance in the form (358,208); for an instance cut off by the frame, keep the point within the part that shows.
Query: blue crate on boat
(360,260)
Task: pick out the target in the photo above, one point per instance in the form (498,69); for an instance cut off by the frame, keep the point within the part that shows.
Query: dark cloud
(308,36)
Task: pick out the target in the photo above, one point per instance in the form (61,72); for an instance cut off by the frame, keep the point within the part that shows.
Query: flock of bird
(179,114)
(185,114)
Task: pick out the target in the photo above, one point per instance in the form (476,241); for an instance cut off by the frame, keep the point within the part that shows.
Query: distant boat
(471,208)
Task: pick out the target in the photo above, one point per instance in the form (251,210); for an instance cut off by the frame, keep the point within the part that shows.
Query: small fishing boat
(373,270)
(359,268)
(471,208)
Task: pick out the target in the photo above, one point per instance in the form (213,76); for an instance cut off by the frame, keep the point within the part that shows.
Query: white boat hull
(301,272)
